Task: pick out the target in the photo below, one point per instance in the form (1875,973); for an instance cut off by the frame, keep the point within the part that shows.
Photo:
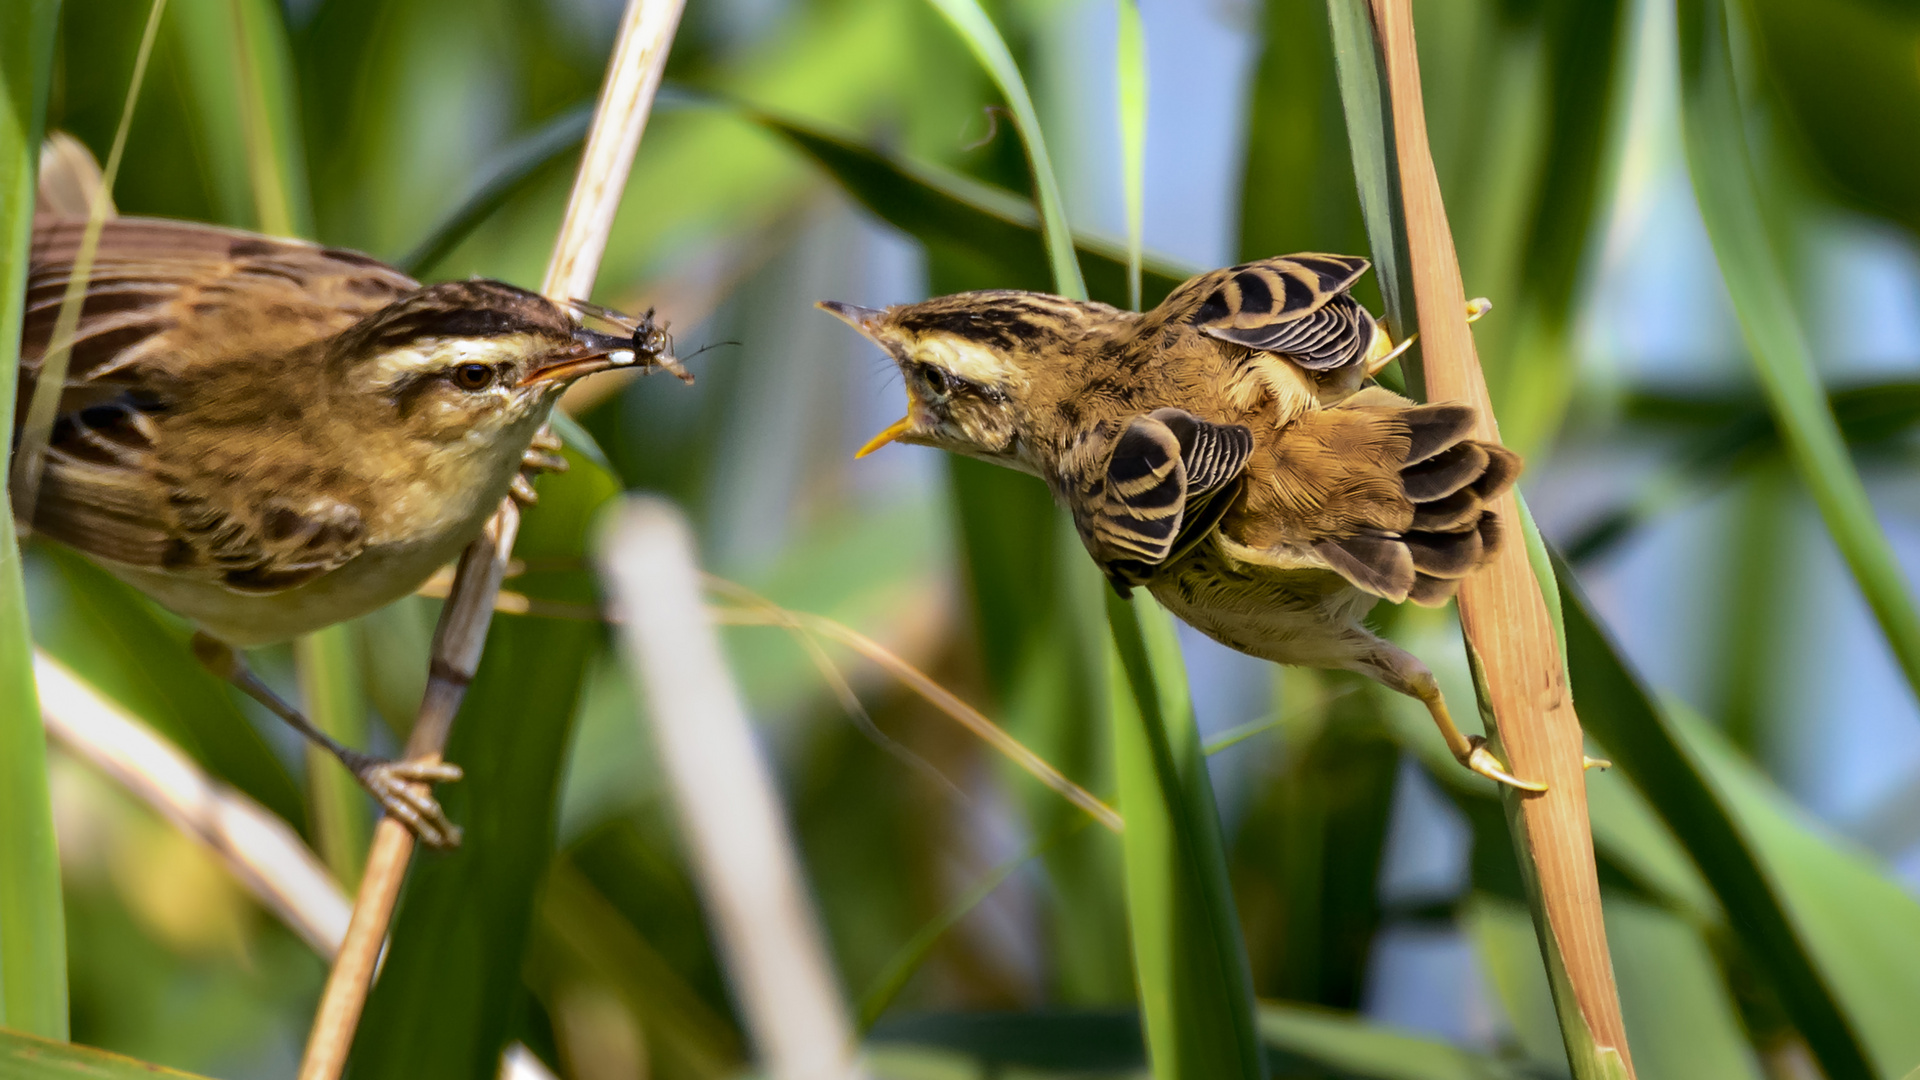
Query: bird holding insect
(268,437)
(1225,450)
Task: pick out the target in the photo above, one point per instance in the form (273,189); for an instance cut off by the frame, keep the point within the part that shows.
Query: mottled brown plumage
(1225,450)
(268,436)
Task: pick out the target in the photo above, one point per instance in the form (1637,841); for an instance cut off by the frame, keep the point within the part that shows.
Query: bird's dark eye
(472,377)
(939,381)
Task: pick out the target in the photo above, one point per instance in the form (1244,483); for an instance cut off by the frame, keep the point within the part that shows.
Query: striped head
(465,360)
(969,362)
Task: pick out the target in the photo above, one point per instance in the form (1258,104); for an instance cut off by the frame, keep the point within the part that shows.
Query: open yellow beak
(894,430)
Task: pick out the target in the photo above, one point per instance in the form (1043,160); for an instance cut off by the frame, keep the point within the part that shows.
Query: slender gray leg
(400,786)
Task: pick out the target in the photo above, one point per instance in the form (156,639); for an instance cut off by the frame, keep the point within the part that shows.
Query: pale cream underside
(378,576)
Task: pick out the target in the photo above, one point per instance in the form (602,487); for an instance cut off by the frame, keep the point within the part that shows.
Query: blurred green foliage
(808,149)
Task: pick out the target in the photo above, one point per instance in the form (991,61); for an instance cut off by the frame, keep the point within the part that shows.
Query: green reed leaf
(33,962)
(977,29)
(1714,123)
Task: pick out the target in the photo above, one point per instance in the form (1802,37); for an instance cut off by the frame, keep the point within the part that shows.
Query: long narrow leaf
(33,962)
(1626,720)
(23,1057)
(1717,154)
(973,25)
(1132,65)
(452,975)
(1196,992)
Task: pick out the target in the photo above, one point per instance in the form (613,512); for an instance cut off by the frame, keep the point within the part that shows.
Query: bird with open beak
(1226,450)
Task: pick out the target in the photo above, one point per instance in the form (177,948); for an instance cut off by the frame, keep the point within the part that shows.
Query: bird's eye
(472,377)
(939,381)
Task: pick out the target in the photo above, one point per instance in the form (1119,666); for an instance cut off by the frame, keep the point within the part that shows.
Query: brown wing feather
(1158,491)
(1390,495)
(1296,306)
(164,297)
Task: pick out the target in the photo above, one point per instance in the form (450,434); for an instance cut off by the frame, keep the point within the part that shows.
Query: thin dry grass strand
(43,407)
(741,848)
(806,627)
(1502,612)
(626,98)
(995,736)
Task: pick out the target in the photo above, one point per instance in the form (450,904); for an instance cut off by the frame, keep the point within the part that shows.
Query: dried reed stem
(626,98)
(262,852)
(742,851)
(1502,612)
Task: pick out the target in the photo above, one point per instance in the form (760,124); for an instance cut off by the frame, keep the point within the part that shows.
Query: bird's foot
(542,456)
(1481,760)
(404,791)
(1590,762)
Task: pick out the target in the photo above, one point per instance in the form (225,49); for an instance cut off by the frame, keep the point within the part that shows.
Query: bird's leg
(541,457)
(400,786)
(1401,670)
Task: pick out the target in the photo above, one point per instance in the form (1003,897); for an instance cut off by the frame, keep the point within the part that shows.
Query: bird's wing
(102,494)
(1164,484)
(172,292)
(1390,495)
(164,298)
(1296,306)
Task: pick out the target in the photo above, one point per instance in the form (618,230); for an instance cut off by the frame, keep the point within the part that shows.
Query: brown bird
(1225,450)
(268,437)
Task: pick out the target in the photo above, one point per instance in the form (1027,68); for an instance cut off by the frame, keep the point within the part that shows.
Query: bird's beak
(894,430)
(860,318)
(592,351)
(863,319)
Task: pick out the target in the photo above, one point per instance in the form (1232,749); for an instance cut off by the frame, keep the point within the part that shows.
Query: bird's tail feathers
(1449,479)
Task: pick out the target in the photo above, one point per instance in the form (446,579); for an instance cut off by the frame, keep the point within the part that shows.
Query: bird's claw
(402,787)
(1589,762)
(522,490)
(1481,760)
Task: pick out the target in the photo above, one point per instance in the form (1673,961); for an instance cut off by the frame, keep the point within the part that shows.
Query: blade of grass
(332,694)
(23,1057)
(1641,737)
(51,379)
(1132,64)
(981,36)
(1376,169)
(993,232)
(900,967)
(262,63)
(33,969)
(1510,632)
(509,172)
(1196,991)
(1714,125)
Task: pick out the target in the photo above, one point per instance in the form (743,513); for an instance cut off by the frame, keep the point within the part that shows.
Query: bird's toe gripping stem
(542,456)
(403,790)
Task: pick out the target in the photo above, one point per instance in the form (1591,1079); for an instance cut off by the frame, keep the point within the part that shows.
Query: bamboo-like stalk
(626,98)
(1510,634)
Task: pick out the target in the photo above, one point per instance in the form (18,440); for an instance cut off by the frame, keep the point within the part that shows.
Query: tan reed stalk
(1509,632)
(626,98)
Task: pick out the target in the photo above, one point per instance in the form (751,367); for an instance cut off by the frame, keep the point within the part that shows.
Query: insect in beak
(592,352)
